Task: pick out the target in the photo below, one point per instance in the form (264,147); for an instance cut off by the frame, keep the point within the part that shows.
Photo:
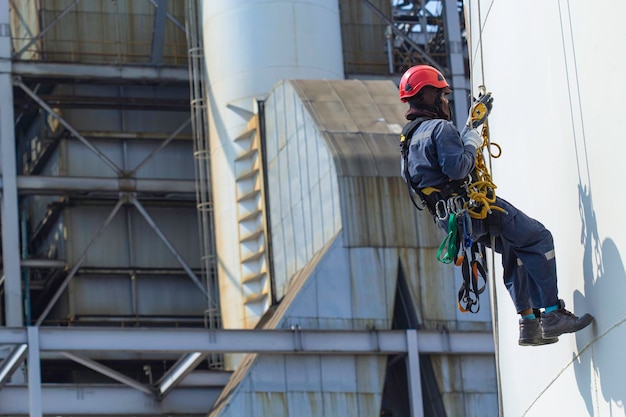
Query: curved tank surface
(558,86)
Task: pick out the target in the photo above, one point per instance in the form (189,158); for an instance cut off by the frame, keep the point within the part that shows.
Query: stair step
(249,196)
(253,257)
(255,299)
(252,279)
(245,135)
(250,216)
(252,236)
(246,155)
(248,174)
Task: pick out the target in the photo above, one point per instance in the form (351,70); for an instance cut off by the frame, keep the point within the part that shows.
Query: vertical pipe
(10,218)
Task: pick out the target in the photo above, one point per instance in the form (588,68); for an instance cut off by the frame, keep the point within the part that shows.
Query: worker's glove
(472,137)
(480,109)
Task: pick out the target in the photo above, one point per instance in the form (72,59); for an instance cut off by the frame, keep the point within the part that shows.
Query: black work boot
(560,321)
(530,333)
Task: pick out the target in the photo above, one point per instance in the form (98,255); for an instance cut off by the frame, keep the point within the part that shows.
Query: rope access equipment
(458,210)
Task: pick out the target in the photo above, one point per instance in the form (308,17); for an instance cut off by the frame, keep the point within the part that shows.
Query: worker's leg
(533,246)
(532,249)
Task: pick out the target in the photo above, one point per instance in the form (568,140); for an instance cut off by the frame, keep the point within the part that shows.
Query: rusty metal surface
(98,31)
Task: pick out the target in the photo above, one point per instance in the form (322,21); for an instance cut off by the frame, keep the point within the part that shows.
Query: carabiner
(441,210)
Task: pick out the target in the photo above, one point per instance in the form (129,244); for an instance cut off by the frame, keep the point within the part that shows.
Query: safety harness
(457,202)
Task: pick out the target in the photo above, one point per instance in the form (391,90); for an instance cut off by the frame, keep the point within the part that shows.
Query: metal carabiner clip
(441,210)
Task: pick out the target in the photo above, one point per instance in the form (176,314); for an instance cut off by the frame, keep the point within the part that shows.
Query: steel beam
(105,370)
(37,184)
(183,367)
(102,400)
(13,360)
(335,342)
(123,74)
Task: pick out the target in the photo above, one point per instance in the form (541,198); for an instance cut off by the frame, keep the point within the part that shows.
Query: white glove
(472,137)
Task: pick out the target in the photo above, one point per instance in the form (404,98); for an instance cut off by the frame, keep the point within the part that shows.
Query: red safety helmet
(417,77)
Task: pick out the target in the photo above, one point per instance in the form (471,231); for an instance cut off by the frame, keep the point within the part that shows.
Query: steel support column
(34,373)
(413,374)
(10,220)
(456,58)
(158,32)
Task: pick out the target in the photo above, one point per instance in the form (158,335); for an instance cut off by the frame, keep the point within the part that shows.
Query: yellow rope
(483,191)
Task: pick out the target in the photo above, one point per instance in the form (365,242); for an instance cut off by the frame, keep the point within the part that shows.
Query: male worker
(439,163)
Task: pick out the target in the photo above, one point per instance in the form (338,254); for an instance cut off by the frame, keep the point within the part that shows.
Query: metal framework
(428,32)
(171,394)
(124,189)
(182,388)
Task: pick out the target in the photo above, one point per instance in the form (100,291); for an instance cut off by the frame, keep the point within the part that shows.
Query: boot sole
(532,342)
(557,334)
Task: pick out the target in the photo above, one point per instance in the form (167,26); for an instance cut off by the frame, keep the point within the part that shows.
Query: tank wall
(560,129)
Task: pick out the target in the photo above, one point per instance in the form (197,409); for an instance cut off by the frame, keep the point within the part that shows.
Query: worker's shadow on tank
(600,366)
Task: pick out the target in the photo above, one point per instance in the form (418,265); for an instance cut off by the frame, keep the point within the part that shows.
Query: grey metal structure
(109,298)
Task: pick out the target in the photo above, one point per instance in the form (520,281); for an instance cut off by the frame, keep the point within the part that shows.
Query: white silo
(249,46)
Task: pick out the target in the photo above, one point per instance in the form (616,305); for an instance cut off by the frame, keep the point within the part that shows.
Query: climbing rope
(482,192)
(486,143)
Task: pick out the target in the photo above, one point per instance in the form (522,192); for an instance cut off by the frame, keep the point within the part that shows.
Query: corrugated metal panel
(108,31)
(119,298)
(377,212)
(360,122)
(304,205)
(176,162)
(112,248)
(363,35)
(120,119)
(24,26)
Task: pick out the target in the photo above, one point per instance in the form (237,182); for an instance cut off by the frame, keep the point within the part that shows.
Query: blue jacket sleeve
(455,159)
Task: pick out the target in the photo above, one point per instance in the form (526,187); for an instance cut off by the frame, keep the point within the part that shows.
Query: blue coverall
(437,155)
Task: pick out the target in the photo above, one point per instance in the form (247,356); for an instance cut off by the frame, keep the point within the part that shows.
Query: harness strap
(406,134)
(474,271)
(450,245)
